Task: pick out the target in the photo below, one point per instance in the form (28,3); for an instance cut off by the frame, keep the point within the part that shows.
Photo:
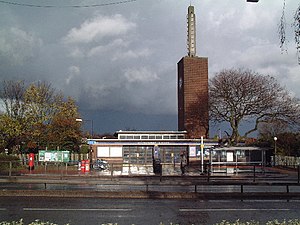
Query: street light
(92,125)
(275,150)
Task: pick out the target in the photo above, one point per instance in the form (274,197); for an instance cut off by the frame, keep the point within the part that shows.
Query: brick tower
(193,87)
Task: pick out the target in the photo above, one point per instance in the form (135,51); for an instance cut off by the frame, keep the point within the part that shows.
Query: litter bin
(157,167)
(87,165)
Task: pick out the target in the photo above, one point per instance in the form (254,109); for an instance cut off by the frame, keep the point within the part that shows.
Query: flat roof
(149,132)
(153,142)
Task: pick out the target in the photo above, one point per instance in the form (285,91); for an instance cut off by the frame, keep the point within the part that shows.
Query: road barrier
(254,172)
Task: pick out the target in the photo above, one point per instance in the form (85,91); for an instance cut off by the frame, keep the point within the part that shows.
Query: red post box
(82,166)
(31,161)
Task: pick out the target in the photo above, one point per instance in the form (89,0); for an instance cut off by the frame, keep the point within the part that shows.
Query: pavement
(143,177)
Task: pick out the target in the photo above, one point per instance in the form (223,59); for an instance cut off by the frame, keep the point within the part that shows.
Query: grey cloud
(95,29)
(18,46)
(122,60)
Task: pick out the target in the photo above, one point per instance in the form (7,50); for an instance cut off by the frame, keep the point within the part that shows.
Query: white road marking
(221,210)
(78,209)
(2,209)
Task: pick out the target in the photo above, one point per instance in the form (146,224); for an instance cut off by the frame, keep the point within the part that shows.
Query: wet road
(142,211)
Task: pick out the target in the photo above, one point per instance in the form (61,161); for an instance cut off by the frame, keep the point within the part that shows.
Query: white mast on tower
(191,35)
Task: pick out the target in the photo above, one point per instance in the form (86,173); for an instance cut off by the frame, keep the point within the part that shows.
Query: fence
(287,161)
(16,168)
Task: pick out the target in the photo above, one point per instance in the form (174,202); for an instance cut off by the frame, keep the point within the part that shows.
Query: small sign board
(229,156)
(53,156)
(192,151)
(91,142)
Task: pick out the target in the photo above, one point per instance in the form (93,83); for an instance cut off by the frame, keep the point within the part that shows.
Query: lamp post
(275,150)
(92,125)
(90,154)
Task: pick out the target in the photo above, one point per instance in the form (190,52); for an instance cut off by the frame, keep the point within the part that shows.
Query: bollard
(160,173)
(242,191)
(66,168)
(10,168)
(112,171)
(287,191)
(208,172)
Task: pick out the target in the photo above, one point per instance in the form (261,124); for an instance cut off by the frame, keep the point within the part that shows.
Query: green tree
(288,140)
(238,95)
(64,131)
(37,115)
(10,132)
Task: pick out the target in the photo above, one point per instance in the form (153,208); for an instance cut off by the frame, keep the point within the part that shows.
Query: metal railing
(253,171)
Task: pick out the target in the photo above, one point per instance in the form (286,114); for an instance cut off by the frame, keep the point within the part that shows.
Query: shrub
(224,222)
(4,162)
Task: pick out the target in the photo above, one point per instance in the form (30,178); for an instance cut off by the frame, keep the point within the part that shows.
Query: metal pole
(92,128)
(254,173)
(298,174)
(242,191)
(275,150)
(112,171)
(208,171)
(202,157)
(10,168)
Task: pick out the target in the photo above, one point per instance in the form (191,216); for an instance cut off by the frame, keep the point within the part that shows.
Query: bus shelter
(236,159)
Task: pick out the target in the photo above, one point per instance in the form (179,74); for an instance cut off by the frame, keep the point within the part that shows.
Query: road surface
(81,211)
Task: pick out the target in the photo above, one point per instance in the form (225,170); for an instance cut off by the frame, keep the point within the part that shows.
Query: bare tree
(237,95)
(296,26)
(12,95)
(12,118)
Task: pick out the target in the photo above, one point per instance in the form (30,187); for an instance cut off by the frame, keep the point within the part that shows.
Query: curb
(150,195)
